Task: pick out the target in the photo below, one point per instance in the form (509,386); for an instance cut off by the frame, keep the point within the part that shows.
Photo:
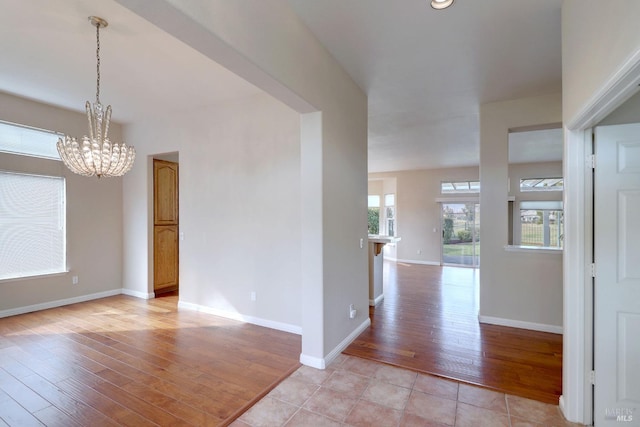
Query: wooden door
(617,276)
(165,226)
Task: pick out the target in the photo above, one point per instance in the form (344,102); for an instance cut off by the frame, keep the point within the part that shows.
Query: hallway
(428,322)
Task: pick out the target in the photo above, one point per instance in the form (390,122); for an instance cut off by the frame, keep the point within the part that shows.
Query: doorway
(461,234)
(165,227)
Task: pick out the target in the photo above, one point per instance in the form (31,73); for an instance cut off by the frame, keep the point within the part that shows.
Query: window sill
(37,276)
(532,249)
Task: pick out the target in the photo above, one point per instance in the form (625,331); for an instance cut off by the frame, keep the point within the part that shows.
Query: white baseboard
(521,324)
(414,261)
(314,362)
(58,303)
(378,300)
(285,327)
(322,363)
(138,294)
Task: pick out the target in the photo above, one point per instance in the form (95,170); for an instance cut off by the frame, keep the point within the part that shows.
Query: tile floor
(359,392)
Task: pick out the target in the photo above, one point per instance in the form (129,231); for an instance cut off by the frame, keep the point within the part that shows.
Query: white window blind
(28,141)
(32,225)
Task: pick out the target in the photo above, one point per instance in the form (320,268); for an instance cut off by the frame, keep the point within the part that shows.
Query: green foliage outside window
(374,220)
(464,235)
(448,230)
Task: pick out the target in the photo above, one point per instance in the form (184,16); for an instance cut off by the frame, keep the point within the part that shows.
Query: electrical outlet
(352,311)
(361,243)
(74,280)
(253,296)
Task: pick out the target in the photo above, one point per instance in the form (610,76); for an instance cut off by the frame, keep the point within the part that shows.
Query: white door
(617,282)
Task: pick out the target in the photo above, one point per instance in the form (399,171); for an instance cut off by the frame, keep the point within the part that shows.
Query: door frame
(576,401)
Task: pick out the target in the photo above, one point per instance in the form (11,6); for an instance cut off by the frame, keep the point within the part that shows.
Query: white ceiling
(425,72)
(48,54)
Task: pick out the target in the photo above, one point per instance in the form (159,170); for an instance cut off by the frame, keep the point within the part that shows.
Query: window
(459,187)
(32,225)
(541,184)
(390,213)
(541,223)
(374,214)
(16,139)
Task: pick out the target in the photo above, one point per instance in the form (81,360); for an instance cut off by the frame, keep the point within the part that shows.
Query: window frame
(542,206)
(537,187)
(460,186)
(390,219)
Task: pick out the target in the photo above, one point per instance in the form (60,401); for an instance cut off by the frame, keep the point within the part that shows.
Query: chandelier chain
(98,63)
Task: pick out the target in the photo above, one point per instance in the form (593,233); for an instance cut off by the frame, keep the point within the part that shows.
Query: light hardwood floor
(428,322)
(127,361)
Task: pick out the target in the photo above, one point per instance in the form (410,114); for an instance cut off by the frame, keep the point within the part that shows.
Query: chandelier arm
(86,157)
(90,119)
(107,122)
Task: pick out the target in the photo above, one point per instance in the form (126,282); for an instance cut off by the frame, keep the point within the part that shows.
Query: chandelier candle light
(97,155)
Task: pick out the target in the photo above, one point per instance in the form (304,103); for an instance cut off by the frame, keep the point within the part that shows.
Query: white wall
(267,44)
(239,208)
(94,217)
(523,289)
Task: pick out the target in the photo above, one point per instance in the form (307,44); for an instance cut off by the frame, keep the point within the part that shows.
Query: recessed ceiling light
(441,4)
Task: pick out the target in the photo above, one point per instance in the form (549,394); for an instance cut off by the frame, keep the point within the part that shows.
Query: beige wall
(629,112)
(94,217)
(419,214)
(268,45)
(375,187)
(519,288)
(598,39)
(417,211)
(239,208)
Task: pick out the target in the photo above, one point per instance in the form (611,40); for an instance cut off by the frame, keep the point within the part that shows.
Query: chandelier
(441,4)
(96,155)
